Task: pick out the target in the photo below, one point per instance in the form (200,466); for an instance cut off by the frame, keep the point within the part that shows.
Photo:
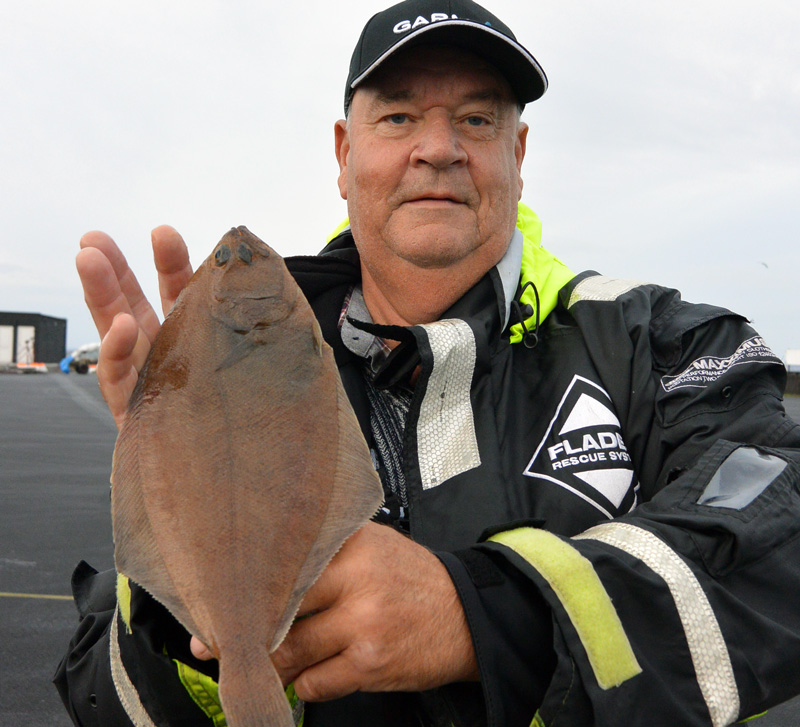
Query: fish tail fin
(252,694)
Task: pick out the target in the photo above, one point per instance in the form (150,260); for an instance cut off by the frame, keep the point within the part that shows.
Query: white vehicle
(83,357)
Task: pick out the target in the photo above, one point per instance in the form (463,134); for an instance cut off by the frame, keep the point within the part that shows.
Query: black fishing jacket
(616,497)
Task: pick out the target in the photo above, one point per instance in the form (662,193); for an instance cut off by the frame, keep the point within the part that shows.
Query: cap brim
(523,72)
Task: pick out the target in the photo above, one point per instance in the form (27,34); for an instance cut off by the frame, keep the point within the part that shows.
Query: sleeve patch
(741,478)
(706,370)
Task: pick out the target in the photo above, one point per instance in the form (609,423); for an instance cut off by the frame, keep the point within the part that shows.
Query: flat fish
(240,469)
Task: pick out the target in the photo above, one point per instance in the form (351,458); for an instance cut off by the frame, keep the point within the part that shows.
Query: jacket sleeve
(129,663)
(684,611)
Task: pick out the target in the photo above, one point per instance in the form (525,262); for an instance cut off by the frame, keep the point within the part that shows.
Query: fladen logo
(583,450)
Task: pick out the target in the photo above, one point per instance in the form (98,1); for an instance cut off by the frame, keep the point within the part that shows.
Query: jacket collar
(526,265)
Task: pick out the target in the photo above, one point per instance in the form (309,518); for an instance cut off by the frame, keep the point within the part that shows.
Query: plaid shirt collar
(363,344)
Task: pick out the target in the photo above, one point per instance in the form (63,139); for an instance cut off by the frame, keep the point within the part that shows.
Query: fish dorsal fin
(143,564)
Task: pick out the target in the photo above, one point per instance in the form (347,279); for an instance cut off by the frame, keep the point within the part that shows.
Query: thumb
(199,650)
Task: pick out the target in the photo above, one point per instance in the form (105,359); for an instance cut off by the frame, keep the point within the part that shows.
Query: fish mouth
(227,296)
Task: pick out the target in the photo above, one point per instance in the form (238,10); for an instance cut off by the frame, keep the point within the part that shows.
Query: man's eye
(397,118)
(476,121)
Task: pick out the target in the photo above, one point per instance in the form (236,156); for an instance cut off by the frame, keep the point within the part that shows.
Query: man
(622,457)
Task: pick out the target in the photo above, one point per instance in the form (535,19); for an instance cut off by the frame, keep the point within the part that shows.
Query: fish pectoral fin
(243,348)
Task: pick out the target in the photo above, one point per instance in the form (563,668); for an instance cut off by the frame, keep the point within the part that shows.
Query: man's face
(430,163)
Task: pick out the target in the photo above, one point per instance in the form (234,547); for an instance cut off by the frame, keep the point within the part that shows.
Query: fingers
(311,640)
(332,654)
(124,317)
(122,354)
(326,590)
(101,289)
(331,679)
(172,263)
(126,334)
(111,287)
(199,649)
(378,622)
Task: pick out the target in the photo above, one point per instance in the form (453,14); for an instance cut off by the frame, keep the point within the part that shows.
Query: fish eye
(244,253)
(222,255)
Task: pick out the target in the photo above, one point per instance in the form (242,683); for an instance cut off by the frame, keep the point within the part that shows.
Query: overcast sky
(667,148)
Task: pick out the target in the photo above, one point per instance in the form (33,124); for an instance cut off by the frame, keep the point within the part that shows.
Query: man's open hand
(125,320)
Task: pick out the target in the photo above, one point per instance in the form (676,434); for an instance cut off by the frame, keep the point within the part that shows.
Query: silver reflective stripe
(599,287)
(446,442)
(128,696)
(712,663)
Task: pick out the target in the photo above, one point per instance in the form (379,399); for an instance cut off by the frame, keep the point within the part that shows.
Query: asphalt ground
(56,441)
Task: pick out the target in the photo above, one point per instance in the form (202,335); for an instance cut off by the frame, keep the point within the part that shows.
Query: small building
(32,337)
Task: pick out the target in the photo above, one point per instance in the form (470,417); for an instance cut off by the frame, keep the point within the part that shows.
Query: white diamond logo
(588,412)
(583,450)
(612,484)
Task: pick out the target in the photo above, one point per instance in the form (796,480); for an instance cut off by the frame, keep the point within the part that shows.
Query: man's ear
(342,141)
(519,150)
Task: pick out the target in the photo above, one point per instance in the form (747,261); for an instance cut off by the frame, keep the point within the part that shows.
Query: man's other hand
(125,320)
(383,616)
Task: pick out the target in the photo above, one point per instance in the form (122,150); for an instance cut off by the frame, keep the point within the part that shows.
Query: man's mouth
(436,199)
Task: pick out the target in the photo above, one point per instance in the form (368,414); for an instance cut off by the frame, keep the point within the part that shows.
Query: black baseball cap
(462,23)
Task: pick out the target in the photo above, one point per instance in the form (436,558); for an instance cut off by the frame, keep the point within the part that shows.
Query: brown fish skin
(240,469)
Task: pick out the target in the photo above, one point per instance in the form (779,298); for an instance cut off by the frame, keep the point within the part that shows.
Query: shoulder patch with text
(707,369)
(583,451)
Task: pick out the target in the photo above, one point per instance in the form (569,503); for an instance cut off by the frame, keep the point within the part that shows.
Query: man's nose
(438,144)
